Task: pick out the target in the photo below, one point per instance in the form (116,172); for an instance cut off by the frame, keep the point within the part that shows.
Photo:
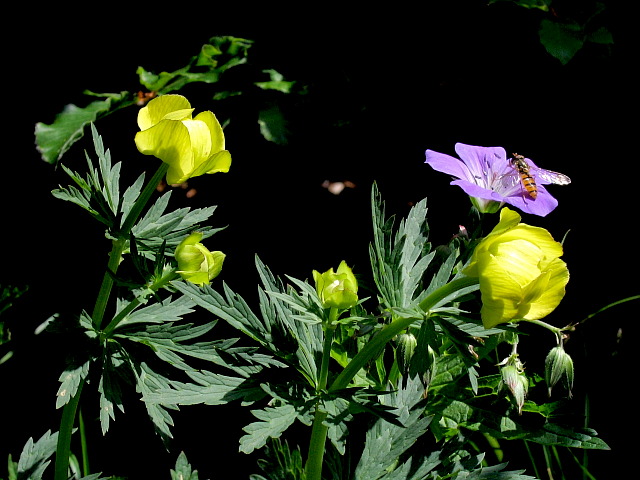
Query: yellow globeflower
(521,275)
(195,262)
(337,289)
(190,146)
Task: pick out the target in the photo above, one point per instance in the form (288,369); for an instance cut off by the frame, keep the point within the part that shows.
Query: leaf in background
(216,57)
(562,40)
(276,82)
(52,141)
(540,4)
(273,125)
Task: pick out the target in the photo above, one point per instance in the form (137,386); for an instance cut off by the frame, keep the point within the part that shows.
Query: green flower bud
(516,381)
(558,366)
(407,343)
(195,262)
(337,289)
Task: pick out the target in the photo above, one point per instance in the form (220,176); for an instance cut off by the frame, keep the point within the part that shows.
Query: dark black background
(384,85)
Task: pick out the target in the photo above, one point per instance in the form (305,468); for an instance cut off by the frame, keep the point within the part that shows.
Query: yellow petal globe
(190,146)
(195,262)
(337,289)
(520,273)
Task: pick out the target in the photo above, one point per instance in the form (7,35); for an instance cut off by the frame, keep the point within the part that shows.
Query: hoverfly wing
(510,179)
(549,176)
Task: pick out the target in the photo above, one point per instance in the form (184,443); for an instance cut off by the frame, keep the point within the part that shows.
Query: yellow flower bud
(339,289)
(190,146)
(521,275)
(195,262)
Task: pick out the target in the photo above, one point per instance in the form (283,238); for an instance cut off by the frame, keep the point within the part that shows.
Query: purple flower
(488,177)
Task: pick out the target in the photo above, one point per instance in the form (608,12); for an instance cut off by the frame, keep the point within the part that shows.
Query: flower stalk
(313,467)
(368,352)
(63,449)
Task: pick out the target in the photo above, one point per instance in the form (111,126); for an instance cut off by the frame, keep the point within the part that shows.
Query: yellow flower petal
(551,294)
(520,274)
(220,162)
(159,107)
(169,141)
(215,129)
(200,140)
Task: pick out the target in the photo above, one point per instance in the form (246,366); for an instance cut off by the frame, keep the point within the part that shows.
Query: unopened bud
(516,381)
(337,289)
(559,367)
(407,343)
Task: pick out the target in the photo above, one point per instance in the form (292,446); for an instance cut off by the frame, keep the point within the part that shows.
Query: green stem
(107,282)
(83,445)
(63,449)
(142,200)
(120,243)
(313,467)
(64,436)
(315,456)
(133,304)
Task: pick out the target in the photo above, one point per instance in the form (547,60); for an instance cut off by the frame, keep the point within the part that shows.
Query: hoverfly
(526,174)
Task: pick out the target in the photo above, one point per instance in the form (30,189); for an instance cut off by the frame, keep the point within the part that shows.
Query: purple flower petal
(486,174)
(448,164)
(543,204)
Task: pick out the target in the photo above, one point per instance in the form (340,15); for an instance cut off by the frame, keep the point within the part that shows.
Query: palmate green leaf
(231,308)
(70,380)
(147,383)
(386,442)
(34,458)
(156,227)
(183,470)
(279,329)
(399,259)
(210,389)
(308,337)
(168,310)
(112,376)
(338,418)
(99,192)
(273,421)
(54,140)
(166,341)
(504,427)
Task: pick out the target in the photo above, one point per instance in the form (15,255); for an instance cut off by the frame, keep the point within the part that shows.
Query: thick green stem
(315,456)
(142,200)
(120,243)
(107,282)
(64,436)
(313,467)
